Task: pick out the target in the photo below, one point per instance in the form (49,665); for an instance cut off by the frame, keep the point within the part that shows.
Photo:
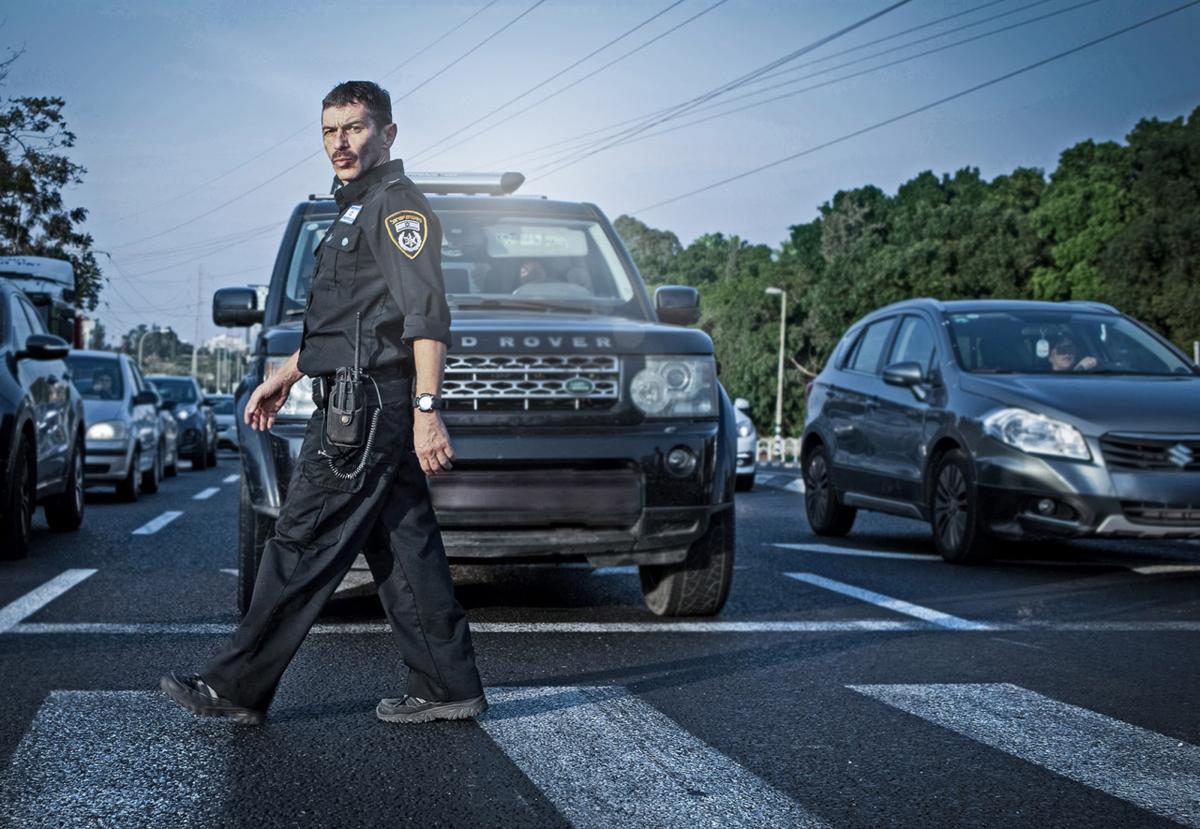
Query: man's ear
(389,135)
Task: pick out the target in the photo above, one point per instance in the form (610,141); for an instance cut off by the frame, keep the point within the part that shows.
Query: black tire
(199,460)
(698,585)
(745,483)
(212,456)
(954,515)
(827,515)
(17,525)
(172,469)
(253,532)
(129,489)
(153,476)
(64,512)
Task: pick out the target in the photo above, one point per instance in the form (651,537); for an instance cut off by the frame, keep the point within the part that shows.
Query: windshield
(1062,343)
(223,406)
(492,260)
(181,390)
(96,378)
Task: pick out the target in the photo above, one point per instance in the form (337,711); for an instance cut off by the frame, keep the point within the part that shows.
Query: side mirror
(44,347)
(677,304)
(907,375)
(236,307)
(146,398)
(742,404)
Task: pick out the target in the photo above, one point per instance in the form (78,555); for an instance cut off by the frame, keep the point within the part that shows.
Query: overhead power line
(925,108)
(545,81)
(308,126)
(686,106)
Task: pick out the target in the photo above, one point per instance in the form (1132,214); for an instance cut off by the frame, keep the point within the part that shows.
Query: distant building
(226,343)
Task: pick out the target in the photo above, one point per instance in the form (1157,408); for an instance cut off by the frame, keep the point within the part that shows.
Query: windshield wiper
(526,305)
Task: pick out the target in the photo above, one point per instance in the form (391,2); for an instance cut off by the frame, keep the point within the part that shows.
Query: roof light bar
(491,184)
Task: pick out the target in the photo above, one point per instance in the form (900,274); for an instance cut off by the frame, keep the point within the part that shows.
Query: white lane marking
(826,549)
(796,486)
(205,494)
(897,605)
(231,479)
(1158,569)
(157,524)
(606,759)
(230,570)
(15,612)
(115,758)
(1157,773)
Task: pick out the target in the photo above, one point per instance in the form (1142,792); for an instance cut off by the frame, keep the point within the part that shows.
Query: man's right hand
(266,401)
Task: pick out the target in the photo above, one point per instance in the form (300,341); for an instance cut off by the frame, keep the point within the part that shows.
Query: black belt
(393,388)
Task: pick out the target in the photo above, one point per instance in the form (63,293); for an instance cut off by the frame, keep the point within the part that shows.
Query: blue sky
(165,96)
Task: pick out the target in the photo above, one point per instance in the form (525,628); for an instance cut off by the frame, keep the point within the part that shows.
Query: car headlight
(745,430)
(183,414)
(676,387)
(107,430)
(299,403)
(1037,434)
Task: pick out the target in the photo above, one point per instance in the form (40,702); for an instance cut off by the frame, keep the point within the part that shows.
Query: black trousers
(385,513)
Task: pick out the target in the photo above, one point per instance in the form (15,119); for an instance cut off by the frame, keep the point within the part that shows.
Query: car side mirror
(146,398)
(44,347)
(167,405)
(908,375)
(236,307)
(677,304)
(742,404)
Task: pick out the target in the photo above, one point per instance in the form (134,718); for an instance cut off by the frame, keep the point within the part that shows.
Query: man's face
(353,141)
(1062,356)
(532,271)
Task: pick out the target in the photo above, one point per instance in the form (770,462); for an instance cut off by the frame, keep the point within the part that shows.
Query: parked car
(41,427)
(1005,419)
(747,446)
(588,421)
(126,445)
(191,409)
(223,411)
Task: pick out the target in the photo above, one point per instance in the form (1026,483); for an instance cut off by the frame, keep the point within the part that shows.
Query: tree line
(1117,222)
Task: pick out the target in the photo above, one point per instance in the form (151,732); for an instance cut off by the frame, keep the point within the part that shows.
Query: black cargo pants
(325,521)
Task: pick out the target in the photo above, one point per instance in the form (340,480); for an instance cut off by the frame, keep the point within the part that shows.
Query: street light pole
(142,339)
(782,339)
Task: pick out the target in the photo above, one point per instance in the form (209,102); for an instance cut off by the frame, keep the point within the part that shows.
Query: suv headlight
(107,430)
(676,387)
(299,403)
(1037,434)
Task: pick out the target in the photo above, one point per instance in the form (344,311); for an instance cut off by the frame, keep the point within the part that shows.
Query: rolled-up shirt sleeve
(407,242)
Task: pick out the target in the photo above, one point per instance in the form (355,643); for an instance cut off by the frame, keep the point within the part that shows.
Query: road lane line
(13,613)
(231,479)
(157,524)
(1159,569)
(606,759)
(1157,773)
(116,758)
(829,550)
(897,605)
(230,570)
(205,494)
(796,486)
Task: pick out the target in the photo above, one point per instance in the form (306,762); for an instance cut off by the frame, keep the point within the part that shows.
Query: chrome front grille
(531,382)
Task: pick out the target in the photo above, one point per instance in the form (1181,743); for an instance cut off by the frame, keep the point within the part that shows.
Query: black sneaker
(414,709)
(197,696)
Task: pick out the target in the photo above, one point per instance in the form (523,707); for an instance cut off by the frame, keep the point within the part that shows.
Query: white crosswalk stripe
(897,605)
(606,759)
(830,550)
(13,613)
(231,479)
(1154,772)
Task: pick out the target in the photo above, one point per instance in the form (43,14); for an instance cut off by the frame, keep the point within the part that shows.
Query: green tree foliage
(1116,222)
(34,220)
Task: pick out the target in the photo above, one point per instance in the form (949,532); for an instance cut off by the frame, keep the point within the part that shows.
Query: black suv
(584,427)
(1005,418)
(41,427)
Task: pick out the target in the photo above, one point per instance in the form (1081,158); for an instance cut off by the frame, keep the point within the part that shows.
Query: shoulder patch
(407,229)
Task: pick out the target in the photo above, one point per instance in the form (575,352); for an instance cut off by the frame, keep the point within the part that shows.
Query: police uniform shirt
(382,257)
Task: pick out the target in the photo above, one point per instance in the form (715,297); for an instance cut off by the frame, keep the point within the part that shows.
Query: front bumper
(106,461)
(558,493)
(747,455)
(227,436)
(1090,500)
(191,440)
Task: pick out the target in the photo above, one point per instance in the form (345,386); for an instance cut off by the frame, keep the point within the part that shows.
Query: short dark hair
(368,93)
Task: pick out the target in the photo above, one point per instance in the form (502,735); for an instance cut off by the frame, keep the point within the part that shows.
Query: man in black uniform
(380,259)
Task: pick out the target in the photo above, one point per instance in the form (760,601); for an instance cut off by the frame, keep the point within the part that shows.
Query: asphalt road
(848,683)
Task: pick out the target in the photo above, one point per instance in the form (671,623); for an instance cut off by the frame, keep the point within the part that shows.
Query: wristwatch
(427,402)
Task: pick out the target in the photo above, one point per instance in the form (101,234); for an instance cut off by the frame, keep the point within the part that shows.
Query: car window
(914,343)
(176,389)
(223,407)
(35,320)
(96,378)
(869,349)
(139,383)
(20,326)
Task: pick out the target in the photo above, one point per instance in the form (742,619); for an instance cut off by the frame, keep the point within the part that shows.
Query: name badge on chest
(351,214)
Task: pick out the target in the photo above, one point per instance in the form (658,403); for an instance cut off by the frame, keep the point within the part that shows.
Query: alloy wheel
(816,487)
(950,507)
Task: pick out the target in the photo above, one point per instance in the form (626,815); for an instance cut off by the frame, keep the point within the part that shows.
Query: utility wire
(852,75)
(306,127)
(747,78)
(553,77)
(925,108)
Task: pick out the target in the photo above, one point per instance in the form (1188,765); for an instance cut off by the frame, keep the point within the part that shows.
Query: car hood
(1099,404)
(96,411)
(505,331)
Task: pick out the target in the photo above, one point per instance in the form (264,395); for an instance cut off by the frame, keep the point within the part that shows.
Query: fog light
(681,461)
(1046,506)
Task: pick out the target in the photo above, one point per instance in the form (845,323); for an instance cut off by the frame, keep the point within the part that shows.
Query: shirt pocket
(341,249)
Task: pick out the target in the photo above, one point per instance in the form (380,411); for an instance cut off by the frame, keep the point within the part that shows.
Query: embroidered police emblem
(407,231)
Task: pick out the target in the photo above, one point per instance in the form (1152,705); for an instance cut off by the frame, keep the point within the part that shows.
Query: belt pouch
(345,418)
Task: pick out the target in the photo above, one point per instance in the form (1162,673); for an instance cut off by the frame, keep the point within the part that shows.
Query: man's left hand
(431,442)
